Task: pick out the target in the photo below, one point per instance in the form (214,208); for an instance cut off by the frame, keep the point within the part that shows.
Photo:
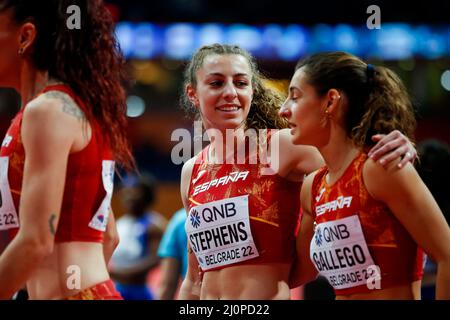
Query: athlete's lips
(228,107)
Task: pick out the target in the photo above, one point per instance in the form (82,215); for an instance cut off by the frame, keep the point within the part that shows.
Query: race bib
(100,219)
(340,253)
(8,213)
(219,232)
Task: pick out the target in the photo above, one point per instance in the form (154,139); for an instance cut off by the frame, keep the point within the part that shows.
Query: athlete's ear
(333,101)
(26,37)
(192,95)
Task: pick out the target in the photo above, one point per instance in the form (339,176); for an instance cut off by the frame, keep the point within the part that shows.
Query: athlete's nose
(285,111)
(229,91)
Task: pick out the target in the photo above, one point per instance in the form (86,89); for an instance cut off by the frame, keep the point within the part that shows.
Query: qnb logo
(101,218)
(318,237)
(195,218)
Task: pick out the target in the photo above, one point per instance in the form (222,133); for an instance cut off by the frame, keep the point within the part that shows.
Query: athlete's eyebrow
(234,75)
(293,88)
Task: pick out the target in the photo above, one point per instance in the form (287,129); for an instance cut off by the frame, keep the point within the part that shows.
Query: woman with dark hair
(363,226)
(241,192)
(57,159)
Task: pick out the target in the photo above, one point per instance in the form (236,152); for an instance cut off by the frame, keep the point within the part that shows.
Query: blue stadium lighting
(277,42)
(145,41)
(179,40)
(393,41)
(210,33)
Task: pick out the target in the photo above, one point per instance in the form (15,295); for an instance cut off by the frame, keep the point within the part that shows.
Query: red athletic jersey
(393,250)
(84,190)
(273,204)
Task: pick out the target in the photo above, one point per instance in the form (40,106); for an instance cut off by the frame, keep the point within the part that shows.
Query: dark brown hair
(378,102)
(87,59)
(266,102)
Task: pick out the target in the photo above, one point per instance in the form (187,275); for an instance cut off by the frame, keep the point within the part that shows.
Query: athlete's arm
(170,273)
(413,205)
(301,159)
(294,161)
(171,260)
(48,132)
(303,269)
(190,288)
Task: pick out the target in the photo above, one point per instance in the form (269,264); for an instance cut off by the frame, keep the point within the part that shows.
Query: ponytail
(387,108)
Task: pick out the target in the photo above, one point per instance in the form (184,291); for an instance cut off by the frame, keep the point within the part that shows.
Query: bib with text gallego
(340,253)
(219,232)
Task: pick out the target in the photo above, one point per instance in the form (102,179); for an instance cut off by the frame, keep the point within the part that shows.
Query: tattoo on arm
(50,223)
(69,106)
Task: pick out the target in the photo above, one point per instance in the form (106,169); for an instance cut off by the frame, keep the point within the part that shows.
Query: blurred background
(158,37)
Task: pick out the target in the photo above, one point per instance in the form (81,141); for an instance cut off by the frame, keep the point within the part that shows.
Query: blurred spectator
(140,230)
(173,254)
(434,169)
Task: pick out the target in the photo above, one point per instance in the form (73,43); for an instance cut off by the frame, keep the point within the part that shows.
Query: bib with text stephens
(219,232)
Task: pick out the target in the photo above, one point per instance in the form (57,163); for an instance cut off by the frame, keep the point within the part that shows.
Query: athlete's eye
(241,83)
(215,83)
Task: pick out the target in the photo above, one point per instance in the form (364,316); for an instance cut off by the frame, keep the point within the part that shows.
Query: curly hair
(378,102)
(266,102)
(87,59)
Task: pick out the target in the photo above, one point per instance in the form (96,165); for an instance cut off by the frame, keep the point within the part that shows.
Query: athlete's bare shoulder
(66,103)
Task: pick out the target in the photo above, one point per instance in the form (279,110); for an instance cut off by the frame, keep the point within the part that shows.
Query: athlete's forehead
(226,64)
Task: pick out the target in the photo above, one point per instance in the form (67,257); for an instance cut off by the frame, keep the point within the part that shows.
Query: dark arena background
(158,37)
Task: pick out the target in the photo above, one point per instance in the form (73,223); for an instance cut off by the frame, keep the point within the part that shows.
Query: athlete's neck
(33,81)
(338,154)
(225,146)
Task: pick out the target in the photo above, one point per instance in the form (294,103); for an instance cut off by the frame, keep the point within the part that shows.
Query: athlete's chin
(233,124)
